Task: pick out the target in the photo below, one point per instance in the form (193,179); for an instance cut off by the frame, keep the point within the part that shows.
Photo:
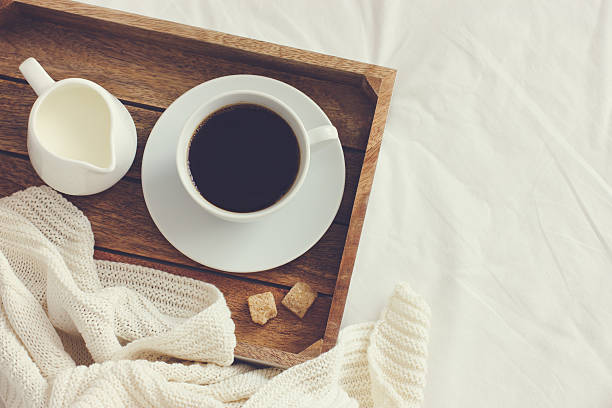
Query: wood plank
(286,332)
(121,222)
(268,356)
(313,350)
(112,61)
(384,91)
(17,99)
(8,12)
(207,42)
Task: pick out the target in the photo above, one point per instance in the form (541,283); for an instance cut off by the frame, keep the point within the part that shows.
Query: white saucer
(241,247)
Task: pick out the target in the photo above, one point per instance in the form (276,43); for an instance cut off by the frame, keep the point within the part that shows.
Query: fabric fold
(76,332)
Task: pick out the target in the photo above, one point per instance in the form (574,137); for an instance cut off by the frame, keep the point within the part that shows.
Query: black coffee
(243,158)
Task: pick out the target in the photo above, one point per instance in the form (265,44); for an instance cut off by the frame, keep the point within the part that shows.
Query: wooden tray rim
(377,82)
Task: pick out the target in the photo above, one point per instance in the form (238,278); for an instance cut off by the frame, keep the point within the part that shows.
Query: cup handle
(321,134)
(36,75)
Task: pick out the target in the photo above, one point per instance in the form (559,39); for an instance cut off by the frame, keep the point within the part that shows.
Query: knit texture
(76,332)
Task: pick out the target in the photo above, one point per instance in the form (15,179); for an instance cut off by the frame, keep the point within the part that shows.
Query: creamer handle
(36,75)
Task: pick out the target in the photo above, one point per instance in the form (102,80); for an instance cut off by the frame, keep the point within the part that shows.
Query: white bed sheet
(492,194)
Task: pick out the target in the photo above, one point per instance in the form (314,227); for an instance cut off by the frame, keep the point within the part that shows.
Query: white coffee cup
(305,138)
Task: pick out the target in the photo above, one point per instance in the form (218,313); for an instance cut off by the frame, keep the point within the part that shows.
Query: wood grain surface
(205,42)
(112,61)
(121,222)
(148,63)
(384,89)
(19,97)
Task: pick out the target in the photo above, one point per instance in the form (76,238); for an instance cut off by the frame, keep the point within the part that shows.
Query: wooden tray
(148,63)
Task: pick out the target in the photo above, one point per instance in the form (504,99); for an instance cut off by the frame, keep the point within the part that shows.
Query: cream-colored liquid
(74,123)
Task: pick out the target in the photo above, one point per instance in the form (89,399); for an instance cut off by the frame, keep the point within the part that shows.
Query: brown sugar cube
(262,307)
(299,299)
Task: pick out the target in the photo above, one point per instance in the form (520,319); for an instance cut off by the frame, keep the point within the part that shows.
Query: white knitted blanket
(76,332)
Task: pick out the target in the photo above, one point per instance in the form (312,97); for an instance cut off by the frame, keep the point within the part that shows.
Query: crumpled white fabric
(492,193)
(76,332)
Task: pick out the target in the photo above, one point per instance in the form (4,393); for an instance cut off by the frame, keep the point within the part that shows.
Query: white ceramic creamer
(81,139)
